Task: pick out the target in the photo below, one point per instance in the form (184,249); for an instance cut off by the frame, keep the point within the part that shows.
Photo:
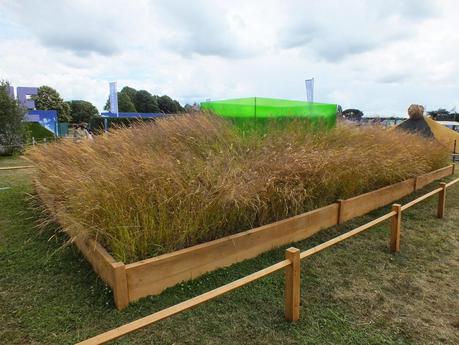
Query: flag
(310,89)
(113,98)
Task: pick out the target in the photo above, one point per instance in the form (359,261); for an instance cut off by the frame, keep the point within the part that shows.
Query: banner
(310,89)
(113,98)
(46,118)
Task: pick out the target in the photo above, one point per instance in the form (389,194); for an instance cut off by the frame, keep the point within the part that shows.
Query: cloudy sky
(379,55)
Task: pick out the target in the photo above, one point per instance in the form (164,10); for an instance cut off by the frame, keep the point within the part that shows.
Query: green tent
(243,110)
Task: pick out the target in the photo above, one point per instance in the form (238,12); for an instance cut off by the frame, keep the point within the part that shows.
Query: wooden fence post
(395,228)
(454,151)
(441,200)
(292,285)
(340,211)
(120,290)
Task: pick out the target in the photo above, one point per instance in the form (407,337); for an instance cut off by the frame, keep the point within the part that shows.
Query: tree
(48,98)
(180,109)
(352,114)
(125,104)
(131,100)
(12,130)
(145,103)
(129,92)
(439,114)
(167,105)
(82,111)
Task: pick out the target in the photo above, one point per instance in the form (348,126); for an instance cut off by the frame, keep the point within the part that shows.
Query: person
(90,134)
(75,132)
(80,133)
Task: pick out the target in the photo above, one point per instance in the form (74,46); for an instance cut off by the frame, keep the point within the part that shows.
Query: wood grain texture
(18,167)
(421,198)
(345,236)
(395,228)
(100,260)
(120,290)
(151,276)
(424,180)
(362,204)
(441,200)
(292,285)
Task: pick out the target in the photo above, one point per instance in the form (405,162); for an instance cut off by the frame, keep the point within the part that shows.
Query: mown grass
(354,293)
(156,188)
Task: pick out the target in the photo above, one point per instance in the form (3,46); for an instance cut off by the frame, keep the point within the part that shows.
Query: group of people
(81,132)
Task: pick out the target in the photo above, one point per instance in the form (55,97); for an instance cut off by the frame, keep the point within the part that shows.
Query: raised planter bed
(151,276)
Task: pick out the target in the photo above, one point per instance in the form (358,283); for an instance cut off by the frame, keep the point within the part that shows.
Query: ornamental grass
(157,187)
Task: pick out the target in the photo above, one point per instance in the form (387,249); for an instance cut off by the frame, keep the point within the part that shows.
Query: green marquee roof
(265,108)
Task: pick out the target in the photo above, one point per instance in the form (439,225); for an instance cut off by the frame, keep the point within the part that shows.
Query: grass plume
(158,187)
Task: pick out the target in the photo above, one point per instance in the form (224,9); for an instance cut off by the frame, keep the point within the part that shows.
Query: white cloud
(378,56)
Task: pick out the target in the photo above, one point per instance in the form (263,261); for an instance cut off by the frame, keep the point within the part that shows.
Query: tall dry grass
(158,187)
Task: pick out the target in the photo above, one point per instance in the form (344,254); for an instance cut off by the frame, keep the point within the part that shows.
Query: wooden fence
(133,281)
(17,167)
(151,276)
(292,270)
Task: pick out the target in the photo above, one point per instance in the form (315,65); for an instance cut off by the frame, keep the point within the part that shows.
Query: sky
(378,56)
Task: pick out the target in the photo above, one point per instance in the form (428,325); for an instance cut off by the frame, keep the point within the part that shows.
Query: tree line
(13,131)
(442,114)
(131,100)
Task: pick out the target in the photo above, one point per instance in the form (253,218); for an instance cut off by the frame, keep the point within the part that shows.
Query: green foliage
(442,114)
(125,101)
(11,122)
(82,111)
(145,102)
(129,92)
(125,104)
(34,129)
(48,98)
(352,114)
(168,106)
(131,100)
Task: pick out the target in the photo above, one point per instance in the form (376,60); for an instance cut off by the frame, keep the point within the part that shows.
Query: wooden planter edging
(110,271)
(151,276)
(362,204)
(424,180)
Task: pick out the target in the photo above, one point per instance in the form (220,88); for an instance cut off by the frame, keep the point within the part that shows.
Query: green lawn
(354,293)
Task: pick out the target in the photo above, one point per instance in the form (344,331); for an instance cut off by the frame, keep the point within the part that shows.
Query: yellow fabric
(443,134)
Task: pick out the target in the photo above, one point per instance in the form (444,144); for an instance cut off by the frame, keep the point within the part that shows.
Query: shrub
(158,187)
(11,122)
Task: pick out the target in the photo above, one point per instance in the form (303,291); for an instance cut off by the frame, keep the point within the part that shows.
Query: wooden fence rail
(17,167)
(292,273)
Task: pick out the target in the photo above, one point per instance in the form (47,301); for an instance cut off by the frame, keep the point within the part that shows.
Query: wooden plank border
(151,276)
(362,204)
(110,271)
(424,180)
(18,167)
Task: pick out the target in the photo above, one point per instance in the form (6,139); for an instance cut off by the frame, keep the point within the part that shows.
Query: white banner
(113,98)
(309,89)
